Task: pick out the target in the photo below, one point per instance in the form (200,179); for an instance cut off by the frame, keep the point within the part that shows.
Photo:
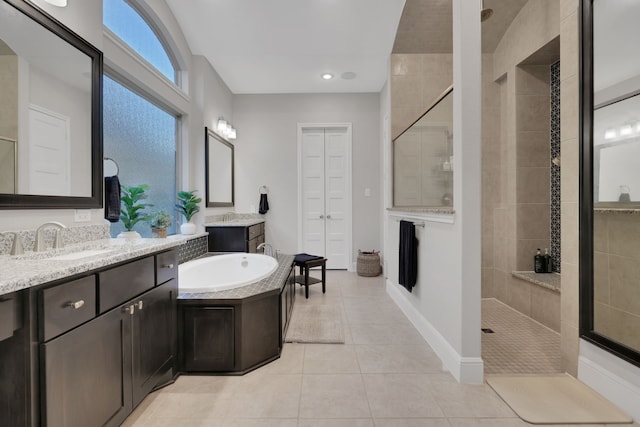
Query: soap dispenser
(538,262)
(547,261)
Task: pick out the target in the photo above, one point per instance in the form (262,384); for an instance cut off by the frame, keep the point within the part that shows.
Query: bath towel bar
(417,224)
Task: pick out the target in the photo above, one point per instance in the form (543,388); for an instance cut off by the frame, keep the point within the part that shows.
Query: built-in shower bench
(536,295)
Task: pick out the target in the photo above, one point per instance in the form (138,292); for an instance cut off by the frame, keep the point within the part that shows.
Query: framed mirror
(51,92)
(219,170)
(610,178)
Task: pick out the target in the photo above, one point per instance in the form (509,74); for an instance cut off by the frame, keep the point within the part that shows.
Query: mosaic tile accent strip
(555,170)
(192,249)
(519,344)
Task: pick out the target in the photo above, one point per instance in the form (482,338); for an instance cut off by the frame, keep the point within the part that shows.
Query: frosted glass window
(141,138)
(129,26)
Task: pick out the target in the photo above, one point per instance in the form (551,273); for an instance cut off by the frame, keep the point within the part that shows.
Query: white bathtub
(221,272)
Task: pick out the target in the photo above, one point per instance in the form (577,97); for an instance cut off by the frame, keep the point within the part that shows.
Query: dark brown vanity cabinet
(96,373)
(239,238)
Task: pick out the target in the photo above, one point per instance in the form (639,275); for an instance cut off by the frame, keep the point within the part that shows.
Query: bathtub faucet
(268,249)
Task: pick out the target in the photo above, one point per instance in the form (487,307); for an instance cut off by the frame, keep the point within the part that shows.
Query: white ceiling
(283,46)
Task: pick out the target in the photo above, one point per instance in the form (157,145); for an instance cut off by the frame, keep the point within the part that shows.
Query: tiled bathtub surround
(70,236)
(192,249)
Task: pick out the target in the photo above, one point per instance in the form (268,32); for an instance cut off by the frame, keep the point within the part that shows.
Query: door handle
(328,216)
(321,216)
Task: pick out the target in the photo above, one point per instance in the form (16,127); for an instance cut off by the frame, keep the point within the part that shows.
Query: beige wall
(416,81)
(569,100)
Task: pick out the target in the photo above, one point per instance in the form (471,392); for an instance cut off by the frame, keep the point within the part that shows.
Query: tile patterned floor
(385,375)
(519,345)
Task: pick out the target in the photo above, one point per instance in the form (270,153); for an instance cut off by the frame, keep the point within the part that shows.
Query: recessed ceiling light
(327,76)
(349,75)
(59,3)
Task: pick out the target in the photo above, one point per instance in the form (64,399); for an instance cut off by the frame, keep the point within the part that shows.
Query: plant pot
(188,228)
(159,232)
(130,235)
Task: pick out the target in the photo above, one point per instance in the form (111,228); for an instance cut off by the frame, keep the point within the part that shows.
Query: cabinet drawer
(255,231)
(166,266)
(67,306)
(125,282)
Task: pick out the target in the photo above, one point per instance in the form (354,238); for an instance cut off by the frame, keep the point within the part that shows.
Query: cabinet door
(153,338)
(87,374)
(208,339)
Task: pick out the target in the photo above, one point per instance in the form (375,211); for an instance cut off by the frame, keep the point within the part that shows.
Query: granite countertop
(445,210)
(31,269)
(271,283)
(550,281)
(234,223)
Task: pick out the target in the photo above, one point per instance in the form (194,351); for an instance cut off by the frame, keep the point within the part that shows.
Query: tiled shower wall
(555,170)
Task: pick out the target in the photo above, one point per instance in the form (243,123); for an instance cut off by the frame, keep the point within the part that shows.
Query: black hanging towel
(264,204)
(408,260)
(112,198)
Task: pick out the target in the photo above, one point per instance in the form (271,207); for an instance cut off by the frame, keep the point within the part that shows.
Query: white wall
(266,154)
(445,303)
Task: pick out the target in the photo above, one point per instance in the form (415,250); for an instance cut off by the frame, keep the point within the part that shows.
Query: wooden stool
(304,279)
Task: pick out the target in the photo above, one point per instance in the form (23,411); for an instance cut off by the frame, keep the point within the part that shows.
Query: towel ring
(112,164)
(264,190)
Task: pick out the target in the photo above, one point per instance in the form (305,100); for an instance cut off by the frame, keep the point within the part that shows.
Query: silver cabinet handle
(75,305)
(169,266)
(140,305)
(130,309)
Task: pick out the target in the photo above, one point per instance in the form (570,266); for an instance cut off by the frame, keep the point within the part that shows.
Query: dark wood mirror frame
(586,198)
(24,201)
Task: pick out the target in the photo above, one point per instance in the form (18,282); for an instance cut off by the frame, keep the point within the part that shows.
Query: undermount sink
(73,256)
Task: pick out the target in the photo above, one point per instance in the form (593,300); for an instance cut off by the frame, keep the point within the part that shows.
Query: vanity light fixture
(225,129)
(59,3)
(626,130)
(610,134)
(327,76)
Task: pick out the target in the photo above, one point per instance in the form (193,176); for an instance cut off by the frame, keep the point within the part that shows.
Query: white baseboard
(467,370)
(593,371)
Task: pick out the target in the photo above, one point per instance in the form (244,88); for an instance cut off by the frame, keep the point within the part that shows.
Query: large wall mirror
(50,113)
(610,177)
(219,170)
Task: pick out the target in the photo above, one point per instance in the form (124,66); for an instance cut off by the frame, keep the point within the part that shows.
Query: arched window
(126,23)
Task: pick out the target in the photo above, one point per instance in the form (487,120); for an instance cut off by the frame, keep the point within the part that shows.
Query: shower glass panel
(423,158)
(610,217)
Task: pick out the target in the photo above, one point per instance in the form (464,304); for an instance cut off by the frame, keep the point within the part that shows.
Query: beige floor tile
(330,359)
(366,422)
(268,422)
(487,422)
(269,396)
(333,396)
(412,422)
(401,396)
(290,362)
(382,359)
(188,406)
(403,333)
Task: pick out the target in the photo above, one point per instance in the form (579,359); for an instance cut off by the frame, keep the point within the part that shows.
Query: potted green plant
(188,206)
(132,208)
(159,221)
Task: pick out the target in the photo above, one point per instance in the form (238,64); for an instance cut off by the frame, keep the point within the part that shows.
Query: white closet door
(335,198)
(48,153)
(324,194)
(313,231)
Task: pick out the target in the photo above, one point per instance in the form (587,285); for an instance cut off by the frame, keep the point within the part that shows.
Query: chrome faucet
(16,246)
(268,249)
(57,243)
